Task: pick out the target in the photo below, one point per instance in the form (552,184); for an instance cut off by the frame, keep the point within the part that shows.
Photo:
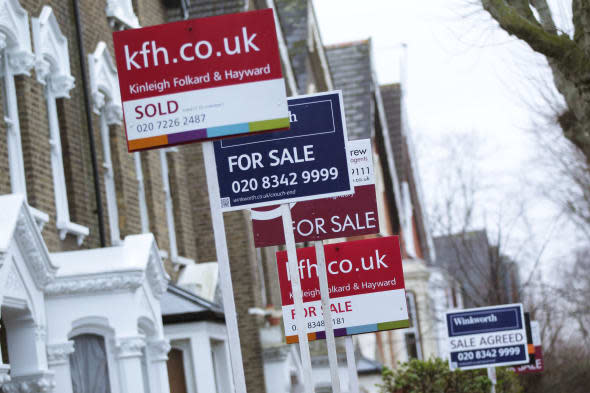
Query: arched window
(89,365)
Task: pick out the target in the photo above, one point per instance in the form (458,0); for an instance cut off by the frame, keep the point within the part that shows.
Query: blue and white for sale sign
(309,161)
(487,337)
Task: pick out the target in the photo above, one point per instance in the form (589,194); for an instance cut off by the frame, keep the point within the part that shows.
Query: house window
(13,137)
(4,343)
(106,101)
(169,205)
(412,334)
(52,67)
(176,371)
(181,373)
(89,365)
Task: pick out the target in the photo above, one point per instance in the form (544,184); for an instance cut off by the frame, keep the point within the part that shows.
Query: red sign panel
(200,79)
(536,366)
(366,286)
(329,218)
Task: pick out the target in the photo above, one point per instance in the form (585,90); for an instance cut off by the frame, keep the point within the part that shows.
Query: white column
(158,355)
(129,353)
(203,363)
(59,362)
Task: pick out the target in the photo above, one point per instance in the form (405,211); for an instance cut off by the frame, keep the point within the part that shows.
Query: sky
(465,79)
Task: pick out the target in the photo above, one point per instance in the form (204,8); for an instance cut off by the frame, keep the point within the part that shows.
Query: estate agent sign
(536,363)
(487,337)
(366,286)
(200,79)
(307,162)
(328,218)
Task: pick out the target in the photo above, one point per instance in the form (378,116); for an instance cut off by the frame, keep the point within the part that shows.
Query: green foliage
(434,376)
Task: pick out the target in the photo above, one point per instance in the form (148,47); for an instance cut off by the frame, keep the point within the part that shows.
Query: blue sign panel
(487,337)
(307,162)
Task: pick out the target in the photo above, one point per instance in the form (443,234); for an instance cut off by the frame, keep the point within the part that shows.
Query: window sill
(75,229)
(41,218)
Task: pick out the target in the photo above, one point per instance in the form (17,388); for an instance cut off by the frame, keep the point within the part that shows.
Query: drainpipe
(97,194)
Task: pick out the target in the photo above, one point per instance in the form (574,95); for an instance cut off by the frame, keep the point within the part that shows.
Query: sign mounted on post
(307,162)
(487,337)
(200,79)
(536,363)
(366,286)
(328,218)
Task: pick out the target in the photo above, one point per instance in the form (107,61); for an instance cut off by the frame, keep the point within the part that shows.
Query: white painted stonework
(48,300)
(25,272)
(114,293)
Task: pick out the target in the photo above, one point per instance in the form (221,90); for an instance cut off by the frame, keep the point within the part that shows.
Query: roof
(204,8)
(293,15)
(350,65)
(391,95)
(179,305)
(466,257)
(406,165)
(367,366)
(132,255)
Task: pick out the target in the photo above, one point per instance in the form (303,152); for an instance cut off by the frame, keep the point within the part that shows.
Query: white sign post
(325,294)
(492,378)
(353,378)
(297,298)
(227,291)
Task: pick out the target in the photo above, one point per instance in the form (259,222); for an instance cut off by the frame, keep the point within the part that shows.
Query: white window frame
(195,340)
(184,346)
(169,205)
(16,58)
(120,14)
(415,328)
(220,354)
(52,66)
(106,103)
(143,211)
(99,326)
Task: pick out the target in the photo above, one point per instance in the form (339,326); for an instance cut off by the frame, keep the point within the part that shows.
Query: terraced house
(108,273)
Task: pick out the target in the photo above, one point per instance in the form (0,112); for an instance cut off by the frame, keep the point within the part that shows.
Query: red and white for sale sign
(366,286)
